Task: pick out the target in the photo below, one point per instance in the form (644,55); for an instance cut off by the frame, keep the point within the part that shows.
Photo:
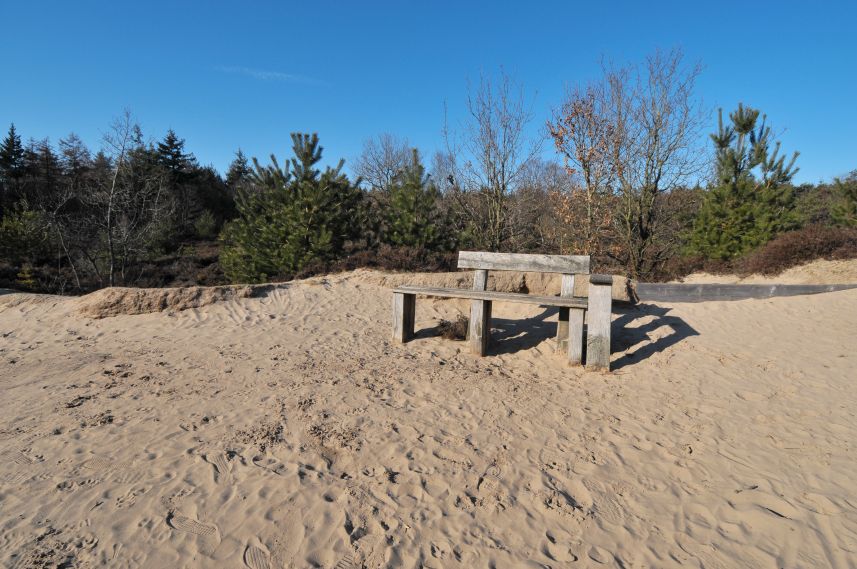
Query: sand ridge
(821,271)
(287,430)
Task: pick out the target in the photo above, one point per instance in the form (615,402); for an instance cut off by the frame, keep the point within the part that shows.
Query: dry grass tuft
(454,330)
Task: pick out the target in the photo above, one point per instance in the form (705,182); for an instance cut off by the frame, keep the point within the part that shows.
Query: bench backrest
(566,265)
(563,264)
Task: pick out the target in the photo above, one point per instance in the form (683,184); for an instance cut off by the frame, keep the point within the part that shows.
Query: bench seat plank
(564,302)
(568,264)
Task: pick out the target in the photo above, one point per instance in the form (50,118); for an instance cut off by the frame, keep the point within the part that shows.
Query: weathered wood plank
(480,326)
(575,335)
(668,292)
(598,334)
(572,264)
(480,279)
(493,295)
(404,313)
(566,290)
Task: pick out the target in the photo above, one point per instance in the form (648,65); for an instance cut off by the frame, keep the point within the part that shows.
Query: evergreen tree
(752,199)
(844,211)
(172,156)
(48,171)
(75,157)
(179,167)
(299,214)
(11,168)
(11,155)
(239,170)
(413,216)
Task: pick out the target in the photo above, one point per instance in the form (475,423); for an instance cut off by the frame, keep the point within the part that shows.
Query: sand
(286,430)
(816,272)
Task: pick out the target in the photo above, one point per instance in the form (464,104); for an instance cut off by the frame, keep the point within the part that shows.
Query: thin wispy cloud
(267,75)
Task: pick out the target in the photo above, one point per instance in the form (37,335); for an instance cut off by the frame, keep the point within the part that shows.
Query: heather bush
(799,247)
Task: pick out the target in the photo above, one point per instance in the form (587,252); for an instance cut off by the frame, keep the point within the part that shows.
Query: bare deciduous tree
(656,148)
(381,160)
(128,207)
(490,155)
(629,140)
(582,133)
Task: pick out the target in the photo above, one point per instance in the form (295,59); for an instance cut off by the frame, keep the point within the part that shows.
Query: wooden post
(575,335)
(480,326)
(479,331)
(404,313)
(600,310)
(480,279)
(566,289)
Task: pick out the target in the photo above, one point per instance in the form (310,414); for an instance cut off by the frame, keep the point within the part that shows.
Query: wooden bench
(572,310)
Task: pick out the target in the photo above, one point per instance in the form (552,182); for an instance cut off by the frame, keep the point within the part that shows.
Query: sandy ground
(816,272)
(286,430)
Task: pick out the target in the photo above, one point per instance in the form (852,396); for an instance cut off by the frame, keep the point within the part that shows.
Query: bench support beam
(480,326)
(404,313)
(598,334)
(569,330)
(575,335)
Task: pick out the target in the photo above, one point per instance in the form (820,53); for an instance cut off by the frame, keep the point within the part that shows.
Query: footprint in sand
(554,460)
(256,558)
(221,467)
(708,559)
(190,525)
(130,497)
(129,477)
(766,502)
(106,464)
(610,509)
(489,483)
(600,555)
(19,459)
(270,463)
(15,477)
(347,562)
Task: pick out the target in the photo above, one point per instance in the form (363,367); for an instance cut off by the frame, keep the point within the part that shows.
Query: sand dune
(820,271)
(286,430)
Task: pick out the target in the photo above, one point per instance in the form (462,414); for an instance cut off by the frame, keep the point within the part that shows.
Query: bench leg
(598,334)
(404,313)
(575,336)
(480,326)
(562,331)
(569,334)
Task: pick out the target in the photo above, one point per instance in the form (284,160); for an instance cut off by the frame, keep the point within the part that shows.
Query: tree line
(633,183)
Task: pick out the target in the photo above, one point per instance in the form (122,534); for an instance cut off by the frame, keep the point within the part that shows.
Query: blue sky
(246,74)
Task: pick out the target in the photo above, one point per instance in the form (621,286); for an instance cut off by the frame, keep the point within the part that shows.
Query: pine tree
(11,155)
(11,168)
(179,167)
(844,211)
(298,214)
(752,200)
(172,156)
(239,170)
(76,158)
(413,217)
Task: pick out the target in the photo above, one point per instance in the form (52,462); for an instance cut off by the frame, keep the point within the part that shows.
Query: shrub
(454,330)
(23,237)
(206,225)
(751,201)
(25,278)
(296,216)
(844,211)
(799,247)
